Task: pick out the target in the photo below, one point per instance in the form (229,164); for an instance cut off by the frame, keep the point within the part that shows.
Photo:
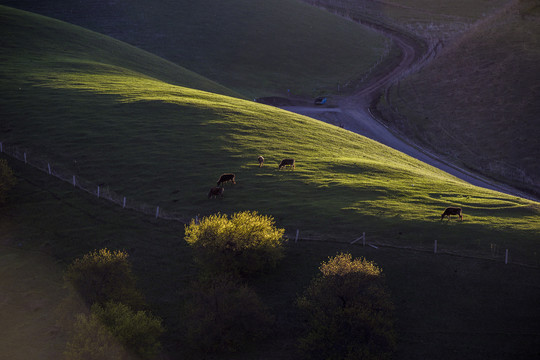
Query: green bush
(7,179)
(91,340)
(348,312)
(104,275)
(114,331)
(137,331)
(224,315)
(244,244)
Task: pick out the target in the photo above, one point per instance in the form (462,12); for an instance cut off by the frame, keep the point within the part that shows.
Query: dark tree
(348,312)
(223,315)
(104,275)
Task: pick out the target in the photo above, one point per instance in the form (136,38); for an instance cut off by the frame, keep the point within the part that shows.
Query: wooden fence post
(157,212)
(296,238)
(25,158)
(73,180)
(506,257)
(435,247)
(124,204)
(49,167)
(98,191)
(363,237)
(1,147)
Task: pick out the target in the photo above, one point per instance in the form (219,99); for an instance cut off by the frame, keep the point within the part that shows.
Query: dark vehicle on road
(320,100)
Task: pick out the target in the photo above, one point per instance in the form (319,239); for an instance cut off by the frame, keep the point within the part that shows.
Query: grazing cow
(215,191)
(261,161)
(452,211)
(226,178)
(287,162)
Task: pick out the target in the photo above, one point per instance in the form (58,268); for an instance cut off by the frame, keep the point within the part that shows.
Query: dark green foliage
(114,331)
(244,244)
(91,340)
(138,331)
(105,275)
(348,311)
(7,179)
(224,315)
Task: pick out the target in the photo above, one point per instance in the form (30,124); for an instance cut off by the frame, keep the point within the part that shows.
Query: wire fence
(375,239)
(100,191)
(379,240)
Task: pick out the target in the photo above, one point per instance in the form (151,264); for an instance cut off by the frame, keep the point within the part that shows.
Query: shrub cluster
(136,330)
(115,327)
(348,312)
(104,275)
(243,244)
(91,340)
(111,329)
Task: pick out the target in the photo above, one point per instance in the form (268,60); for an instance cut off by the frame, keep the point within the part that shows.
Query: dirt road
(353,114)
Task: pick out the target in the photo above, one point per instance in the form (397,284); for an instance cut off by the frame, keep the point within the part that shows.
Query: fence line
(97,190)
(492,255)
(106,194)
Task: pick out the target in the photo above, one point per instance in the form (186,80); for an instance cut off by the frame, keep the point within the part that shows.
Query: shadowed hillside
(32,40)
(256,47)
(478,102)
(431,20)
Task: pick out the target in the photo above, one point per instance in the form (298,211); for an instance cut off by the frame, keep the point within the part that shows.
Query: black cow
(287,162)
(215,191)
(452,211)
(226,178)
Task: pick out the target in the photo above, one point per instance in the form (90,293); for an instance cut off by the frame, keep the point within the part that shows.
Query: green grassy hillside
(256,47)
(34,43)
(478,103)
(165,145)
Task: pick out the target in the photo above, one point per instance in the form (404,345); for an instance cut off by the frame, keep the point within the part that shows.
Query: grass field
(256,47)
(165,142)
(166,145)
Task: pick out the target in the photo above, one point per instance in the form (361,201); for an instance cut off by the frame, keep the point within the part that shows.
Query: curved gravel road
(353,114)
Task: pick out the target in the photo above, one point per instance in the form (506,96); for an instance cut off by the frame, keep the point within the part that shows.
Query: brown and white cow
(226,178)
(287,162)
(452,211)
(215,191)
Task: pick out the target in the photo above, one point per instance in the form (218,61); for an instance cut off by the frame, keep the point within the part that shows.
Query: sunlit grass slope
(166,145)
(256,47)
(40,40)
